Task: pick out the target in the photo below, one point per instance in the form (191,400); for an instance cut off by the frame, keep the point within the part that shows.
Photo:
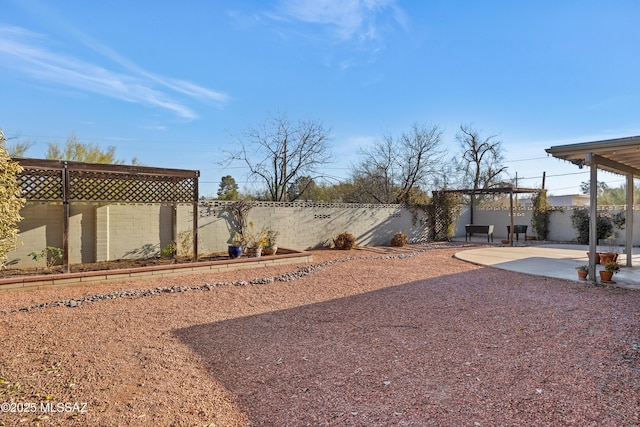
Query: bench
(481,229)
(517,230)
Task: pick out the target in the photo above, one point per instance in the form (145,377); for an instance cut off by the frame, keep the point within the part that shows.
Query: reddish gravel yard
(381,337)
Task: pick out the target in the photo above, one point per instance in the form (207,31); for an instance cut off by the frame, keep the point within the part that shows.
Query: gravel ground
(375,337)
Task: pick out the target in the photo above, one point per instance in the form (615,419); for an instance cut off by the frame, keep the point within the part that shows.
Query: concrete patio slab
(552,260)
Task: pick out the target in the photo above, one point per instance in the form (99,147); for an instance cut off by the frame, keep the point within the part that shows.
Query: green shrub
(345,241)
(50,254)
(169,250)
(541,215)
(580,221)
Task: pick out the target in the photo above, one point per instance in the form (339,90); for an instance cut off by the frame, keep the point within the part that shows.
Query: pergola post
(66,214)
(195,218)
(511,228)
(629,221)
(593,220)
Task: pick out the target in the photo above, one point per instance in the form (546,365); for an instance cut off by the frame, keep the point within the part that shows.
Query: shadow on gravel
(487,346)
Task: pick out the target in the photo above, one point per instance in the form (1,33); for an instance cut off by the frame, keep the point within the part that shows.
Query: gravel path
(370,337)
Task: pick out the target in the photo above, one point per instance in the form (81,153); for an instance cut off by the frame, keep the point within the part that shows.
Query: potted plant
(609,270)
(612,254)
(255,240)
(271,246)
(235,244)
(583,272)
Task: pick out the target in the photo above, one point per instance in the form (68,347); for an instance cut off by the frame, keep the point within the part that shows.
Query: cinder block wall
(41,227)
(561,229)
(100,232)
(305,225)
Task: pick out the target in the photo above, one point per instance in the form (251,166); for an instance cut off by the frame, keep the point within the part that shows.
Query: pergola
(60,181)
(620,156)
(497,190)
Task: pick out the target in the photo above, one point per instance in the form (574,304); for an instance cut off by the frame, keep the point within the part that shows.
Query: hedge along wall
(561,229)
(109,231)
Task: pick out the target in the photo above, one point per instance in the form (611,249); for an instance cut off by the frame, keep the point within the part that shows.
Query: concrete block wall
(561,229)
(82,226)
(97,232)
(307,225)
(134,231)
(100,232)
(41,227)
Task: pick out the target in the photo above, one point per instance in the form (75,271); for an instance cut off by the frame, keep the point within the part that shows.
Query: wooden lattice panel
(102,186)
(44,180)
(41,184)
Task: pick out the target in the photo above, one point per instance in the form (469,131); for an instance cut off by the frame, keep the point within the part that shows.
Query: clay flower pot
(597,257)
(608,257)
(606,276)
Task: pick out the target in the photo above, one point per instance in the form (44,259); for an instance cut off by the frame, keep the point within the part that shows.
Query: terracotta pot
(582,275)
(606,276)
(597,257)
(607,257)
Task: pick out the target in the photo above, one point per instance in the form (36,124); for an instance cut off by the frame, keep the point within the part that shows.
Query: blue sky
(176,83)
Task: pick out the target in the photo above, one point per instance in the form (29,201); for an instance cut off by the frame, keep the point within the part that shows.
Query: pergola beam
(610,165)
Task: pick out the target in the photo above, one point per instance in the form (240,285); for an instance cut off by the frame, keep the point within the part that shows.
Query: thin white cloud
(26,52)
(184,87)
(350,19)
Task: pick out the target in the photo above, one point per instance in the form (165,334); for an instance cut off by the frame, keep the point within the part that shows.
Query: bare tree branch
(481,158)
(277,152)
(395,170)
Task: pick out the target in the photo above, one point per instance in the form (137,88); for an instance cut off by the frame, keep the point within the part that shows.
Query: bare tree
(481,158)
(278,152)
(397,170)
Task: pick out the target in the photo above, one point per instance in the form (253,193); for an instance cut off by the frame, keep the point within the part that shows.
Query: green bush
(169,250)
(580,221)
(51,255)
(541,215)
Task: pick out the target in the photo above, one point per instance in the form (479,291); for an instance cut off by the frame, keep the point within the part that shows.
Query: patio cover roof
(620,156)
